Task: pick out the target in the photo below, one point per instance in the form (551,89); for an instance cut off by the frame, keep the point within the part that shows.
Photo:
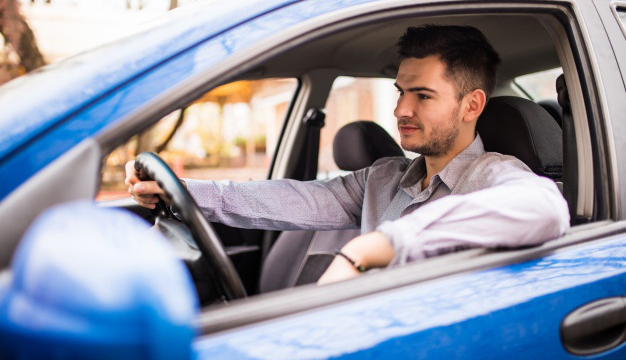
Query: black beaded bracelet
(360,268)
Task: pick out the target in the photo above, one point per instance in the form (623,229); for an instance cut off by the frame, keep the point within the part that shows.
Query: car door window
(228,133)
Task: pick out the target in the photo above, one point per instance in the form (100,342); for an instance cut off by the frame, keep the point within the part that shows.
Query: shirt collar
(451,173)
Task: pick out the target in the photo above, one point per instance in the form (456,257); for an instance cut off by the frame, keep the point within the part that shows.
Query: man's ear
(475,104)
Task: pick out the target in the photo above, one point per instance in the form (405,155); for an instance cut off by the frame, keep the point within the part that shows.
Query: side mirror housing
(94,283)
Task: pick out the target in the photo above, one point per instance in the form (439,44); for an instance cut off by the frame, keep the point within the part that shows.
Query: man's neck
(434,164)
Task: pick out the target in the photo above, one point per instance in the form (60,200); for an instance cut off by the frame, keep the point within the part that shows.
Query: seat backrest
(514,126)
(359,144)
(301,257)
(553,108)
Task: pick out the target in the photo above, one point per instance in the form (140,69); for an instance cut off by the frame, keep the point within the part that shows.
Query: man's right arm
(280,204)
(269,204)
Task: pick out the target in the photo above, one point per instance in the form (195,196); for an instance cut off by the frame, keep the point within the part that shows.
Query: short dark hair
(471,62)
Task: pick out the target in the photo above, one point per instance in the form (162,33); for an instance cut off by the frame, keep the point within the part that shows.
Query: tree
(19,52)
(129,4)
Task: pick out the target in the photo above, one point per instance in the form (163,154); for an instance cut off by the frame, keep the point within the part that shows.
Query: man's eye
(423,96)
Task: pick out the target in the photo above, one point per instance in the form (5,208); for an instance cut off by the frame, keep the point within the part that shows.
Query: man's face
(428,107)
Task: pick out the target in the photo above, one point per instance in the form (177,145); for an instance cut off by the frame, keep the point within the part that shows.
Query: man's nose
(403,108)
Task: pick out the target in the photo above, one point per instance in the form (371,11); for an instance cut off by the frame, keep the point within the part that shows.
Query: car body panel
(513,312)
(612,58)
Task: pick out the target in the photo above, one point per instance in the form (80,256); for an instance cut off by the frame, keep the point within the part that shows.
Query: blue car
(84,277)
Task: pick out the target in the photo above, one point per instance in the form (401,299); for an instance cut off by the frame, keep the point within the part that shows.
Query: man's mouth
(406,129)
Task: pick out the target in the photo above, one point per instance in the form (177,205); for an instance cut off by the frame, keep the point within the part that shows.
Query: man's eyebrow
(415,89)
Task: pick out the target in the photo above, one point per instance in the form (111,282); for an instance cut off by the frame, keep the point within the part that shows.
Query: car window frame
(308,30)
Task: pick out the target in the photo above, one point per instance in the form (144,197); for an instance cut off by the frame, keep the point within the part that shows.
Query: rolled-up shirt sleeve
(283,204)
(519,209)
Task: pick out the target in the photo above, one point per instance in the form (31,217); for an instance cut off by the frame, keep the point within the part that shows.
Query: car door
(562,300)
(559,306)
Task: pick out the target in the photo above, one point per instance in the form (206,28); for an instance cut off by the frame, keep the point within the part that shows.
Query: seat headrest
(359,144)
(561,90)
(514,126)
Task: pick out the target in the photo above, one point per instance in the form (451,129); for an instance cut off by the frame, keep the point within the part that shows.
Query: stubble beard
(441,138)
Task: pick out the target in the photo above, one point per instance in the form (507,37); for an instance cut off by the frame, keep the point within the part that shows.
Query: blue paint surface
(95,283)
(512,312)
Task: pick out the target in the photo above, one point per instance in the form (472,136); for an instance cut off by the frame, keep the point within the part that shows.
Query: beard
(441,137)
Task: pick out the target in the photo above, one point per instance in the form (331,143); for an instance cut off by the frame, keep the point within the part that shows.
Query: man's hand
(371,250)
(145,193)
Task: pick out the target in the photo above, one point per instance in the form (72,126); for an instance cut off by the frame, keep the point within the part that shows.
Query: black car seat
(515,126)
(301,256)
(553,108)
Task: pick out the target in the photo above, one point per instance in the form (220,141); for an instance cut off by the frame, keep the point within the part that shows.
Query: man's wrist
(356,264)
(372,250)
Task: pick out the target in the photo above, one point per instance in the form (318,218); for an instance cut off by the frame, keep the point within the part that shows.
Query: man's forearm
(278,204)
(512,215)
(369,251)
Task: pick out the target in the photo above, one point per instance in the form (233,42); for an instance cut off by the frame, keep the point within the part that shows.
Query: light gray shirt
(480,199)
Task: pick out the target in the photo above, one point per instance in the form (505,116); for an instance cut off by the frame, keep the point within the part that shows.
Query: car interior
(551,137)
(512,123)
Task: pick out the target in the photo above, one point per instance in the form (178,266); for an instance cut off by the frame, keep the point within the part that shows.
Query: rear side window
(621,12)
(621,15)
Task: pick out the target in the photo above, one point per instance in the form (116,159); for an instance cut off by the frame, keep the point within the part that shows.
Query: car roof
(370,50)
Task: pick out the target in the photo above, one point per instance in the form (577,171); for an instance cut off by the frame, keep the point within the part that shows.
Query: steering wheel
(150,166)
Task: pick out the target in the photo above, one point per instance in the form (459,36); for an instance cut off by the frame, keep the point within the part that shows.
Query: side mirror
(95,283)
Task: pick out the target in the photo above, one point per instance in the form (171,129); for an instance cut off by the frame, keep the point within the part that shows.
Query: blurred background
(38,32)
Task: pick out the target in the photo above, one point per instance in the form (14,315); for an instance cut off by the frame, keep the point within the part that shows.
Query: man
(454,196)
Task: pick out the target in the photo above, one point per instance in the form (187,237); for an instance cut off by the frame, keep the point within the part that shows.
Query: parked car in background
(62,125)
